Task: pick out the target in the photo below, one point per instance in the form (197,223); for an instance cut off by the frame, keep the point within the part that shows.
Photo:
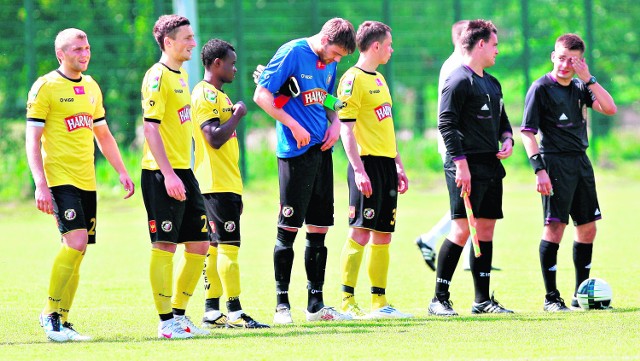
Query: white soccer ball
(594,294)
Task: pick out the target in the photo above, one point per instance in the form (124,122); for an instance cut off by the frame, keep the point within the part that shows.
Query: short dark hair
(340,32)
(476,30)
(369,32)
(214,49)
(571,41)
(167,25)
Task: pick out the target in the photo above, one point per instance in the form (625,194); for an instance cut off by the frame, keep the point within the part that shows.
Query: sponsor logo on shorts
(229,226)
(213,226)
(167,226)
(383,111)
(70,214)
(369,213)
(184,114)
(152,226)
(79,90)
(287,211)
(352,212)
(78,121)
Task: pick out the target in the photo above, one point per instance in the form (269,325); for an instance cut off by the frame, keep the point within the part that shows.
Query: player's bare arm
(604,102)
(264,99)
(217,134)
(109,148)
(173,184)
(351,149)
(543,182)
(333,131)
(403,180)
(43,198)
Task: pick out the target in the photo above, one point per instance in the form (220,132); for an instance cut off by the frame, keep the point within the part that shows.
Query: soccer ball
(594,294)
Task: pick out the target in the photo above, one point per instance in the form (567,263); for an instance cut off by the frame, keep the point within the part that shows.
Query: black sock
(448,257)
(282,263)
(233,304)
(178,312)
(582,261)
(549,264)
(212,304)
(481,270)
(315,262)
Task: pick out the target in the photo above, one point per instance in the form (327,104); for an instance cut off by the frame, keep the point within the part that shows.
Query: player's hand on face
(301,135)
(239,109)
(175,187)
(506,151)
(363,183)
(331,136)
(543,183)
(581,68)
(128,185)
(44,201)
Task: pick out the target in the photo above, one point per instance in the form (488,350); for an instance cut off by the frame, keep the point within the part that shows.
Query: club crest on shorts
(369,213)
(70,214)
(167,226)
(287,211)
(229,226)
(352,212)
(152,226)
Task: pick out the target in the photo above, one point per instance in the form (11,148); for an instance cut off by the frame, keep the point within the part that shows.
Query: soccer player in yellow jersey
(216,169)
(375,175)
(173,201)
(64,114)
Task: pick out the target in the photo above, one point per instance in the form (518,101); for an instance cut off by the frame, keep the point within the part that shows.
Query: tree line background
(123,48)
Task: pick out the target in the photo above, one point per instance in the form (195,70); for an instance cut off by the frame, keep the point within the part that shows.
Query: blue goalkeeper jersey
(316,79)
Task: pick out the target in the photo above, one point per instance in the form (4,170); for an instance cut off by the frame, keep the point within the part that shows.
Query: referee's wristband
(537,163)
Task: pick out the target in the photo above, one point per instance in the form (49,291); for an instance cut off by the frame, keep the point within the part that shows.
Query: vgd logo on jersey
(313,96)
(77,121)
(383,111)
(184,114)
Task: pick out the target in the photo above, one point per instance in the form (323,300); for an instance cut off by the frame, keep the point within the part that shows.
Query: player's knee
(285,238)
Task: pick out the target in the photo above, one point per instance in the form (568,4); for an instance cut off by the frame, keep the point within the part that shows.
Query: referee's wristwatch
(591,81)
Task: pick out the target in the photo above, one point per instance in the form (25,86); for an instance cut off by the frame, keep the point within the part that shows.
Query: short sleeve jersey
(472,116)
(315,78)
(68,109)
(216,169)
(368,104)
(559,113)
(166,100)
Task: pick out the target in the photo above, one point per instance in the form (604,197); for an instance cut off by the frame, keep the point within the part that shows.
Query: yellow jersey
(216,169)
(368,103)
(166,100)
(68,109)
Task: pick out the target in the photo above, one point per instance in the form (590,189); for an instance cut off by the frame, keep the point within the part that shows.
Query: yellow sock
(63,266)
(161,274)
(229,270)
(350,261)
(378,267)
(69,292)
(188,275)
(212,285)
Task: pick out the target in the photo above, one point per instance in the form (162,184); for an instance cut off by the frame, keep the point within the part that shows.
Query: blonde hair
(65,36)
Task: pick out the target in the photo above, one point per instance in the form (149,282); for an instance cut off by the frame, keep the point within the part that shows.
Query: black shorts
(171,220)
(306,189)
(574,190)
(487,173)
(378,212)
(75,209)
(223,211)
